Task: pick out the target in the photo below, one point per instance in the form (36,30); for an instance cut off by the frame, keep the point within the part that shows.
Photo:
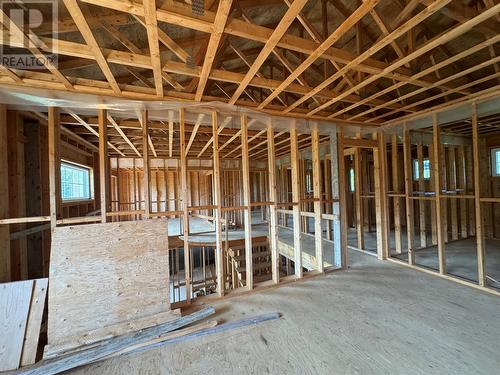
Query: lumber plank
(113,345)
(32,334)
(15,301)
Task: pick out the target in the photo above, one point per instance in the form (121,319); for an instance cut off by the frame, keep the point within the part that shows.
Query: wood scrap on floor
(21,310)
(113,345)
(106,280)
(148,338)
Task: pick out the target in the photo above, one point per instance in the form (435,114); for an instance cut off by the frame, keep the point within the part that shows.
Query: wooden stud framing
(103,163)
(360,230)
(247,214)
(273,230)
(408,194)
(184,200)
(54,163)
(421,188)
(438,185)
(339,190)
(318,230)
(297,235)
(480,246)
(145,161)
(217,200)
(396,188)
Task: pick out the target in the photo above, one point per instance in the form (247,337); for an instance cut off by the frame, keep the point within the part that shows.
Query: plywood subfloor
(376,318)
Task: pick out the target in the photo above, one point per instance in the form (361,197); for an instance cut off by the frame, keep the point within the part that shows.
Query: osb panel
(105,274)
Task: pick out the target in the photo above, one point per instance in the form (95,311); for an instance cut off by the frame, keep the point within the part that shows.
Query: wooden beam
(247,63)
(103,164)
(421,188)
(168,42)
(218,28)
(340,191)
(480,243)
(360,230)
(184,199)
(438,186)
(84,28)
(90,129)
(200,118)
(273,230)
(154,45)
(123,135)
(170,132)
(32,43)
(217,201)
(297,235)
(396,189)
(365,55)
(441,39)
(221,127)
(145,161)
(271,43)
(318,228)
(408,193)
(335,36)
(247,214)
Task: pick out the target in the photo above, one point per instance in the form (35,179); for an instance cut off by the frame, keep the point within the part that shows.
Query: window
(75,182)
(495,161)
(351,180)
(427,169)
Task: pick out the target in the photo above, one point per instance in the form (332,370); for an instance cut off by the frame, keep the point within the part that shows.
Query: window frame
(352,180)
(493,155)
(416,172)
(90,182)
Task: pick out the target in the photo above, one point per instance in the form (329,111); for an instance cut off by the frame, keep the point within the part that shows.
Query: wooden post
(294,161)
(145,162)
(5,260)
(103,163)
(273,232)
(433,202)
(219,256)
(408,194)
(452,183)
(54,164)
(421,187)
(318,238)
(460,174)
(438,183)
(396,189)
(360,232)
(339,192)
(477,200)
(245,164)
(184,199)
(380,169)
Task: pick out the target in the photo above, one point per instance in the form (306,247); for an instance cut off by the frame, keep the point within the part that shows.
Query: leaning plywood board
(106,275)
(15,301)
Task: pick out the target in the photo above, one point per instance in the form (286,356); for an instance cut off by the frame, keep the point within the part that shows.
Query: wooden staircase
(261,256)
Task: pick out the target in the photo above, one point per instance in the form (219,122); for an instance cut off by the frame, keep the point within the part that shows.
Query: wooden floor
(375,318)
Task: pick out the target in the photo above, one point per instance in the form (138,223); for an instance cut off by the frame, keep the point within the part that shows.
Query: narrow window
(351,180)
(427,169)
(495,161)
(75,182)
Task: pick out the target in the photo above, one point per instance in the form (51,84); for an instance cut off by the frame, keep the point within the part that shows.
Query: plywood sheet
(14,308)
(102,275)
